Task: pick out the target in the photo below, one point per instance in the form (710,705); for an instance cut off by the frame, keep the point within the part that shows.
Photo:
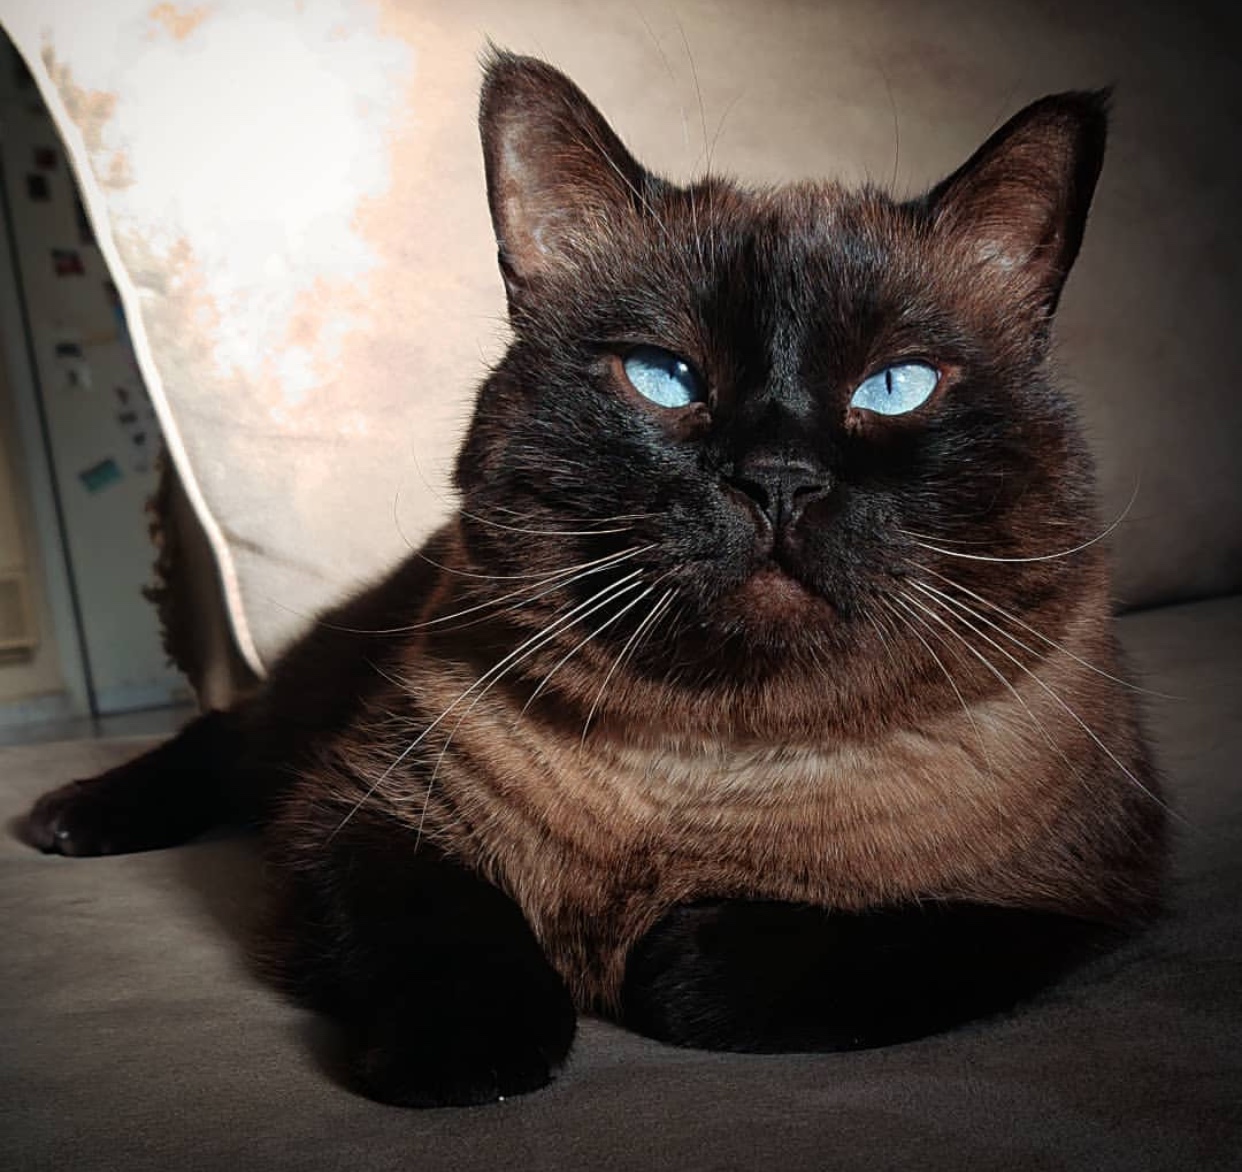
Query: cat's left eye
(662,377)
(896,390)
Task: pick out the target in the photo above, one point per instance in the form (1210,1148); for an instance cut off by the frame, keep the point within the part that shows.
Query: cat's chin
(774,606)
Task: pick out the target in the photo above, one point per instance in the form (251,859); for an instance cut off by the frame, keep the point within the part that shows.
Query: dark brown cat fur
(887,678)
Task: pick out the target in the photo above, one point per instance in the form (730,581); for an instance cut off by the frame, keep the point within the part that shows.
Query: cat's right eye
(897,389)
(662,377)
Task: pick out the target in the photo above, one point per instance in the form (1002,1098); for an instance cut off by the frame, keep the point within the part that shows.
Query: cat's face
(773,403)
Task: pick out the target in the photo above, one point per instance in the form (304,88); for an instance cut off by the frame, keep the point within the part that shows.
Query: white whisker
(578,646)
(605,564)
(609,592)
(910,602)
(526,647)
(1043,557)
(543,532)
(1055,697)
(698,93)
(1038,635)
(630,644)
(557,578)
(952,684)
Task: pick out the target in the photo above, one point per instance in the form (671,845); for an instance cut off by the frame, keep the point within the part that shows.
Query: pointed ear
(1021,201)
(554,167)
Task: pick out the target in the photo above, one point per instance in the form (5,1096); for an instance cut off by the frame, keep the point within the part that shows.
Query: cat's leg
(231,766)
(445,996)
(737,975)
(165,797)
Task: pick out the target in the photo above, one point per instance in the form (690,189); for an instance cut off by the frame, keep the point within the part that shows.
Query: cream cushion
(292,199)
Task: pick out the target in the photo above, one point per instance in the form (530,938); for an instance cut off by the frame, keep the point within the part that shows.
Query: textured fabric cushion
(132,1036)
(296,205)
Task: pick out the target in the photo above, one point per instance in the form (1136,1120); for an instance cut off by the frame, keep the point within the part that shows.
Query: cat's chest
(784,822)
(597,842)
(848,824)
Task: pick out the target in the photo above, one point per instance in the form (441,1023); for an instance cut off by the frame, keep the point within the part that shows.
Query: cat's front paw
(81,818)
(421,1056)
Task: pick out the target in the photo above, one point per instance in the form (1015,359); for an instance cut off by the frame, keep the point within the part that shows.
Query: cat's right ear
(556,171)
(1021,201)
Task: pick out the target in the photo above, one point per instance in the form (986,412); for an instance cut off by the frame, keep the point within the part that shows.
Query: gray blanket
(133,1036)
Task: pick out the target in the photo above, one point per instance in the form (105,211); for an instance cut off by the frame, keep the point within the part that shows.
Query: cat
(762,694)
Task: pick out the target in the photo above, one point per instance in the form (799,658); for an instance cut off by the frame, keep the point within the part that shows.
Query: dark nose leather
(781,488)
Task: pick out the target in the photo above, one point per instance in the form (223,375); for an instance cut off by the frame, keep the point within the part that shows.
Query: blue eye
(662,377)
(896,390)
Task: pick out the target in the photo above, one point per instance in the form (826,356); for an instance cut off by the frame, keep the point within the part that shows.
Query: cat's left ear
(556,172)
(1021,201)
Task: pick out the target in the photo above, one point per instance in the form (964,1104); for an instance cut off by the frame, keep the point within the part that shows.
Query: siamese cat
(762,694)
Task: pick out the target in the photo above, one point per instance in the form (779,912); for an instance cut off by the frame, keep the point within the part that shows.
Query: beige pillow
(292,199)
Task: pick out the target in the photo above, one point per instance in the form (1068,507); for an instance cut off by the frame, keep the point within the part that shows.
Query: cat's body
(731,707)
(786,794)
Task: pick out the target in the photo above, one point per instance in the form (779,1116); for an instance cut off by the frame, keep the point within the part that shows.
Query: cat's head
(775,406)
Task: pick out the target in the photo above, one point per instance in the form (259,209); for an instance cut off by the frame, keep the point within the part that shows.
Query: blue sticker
(99,476)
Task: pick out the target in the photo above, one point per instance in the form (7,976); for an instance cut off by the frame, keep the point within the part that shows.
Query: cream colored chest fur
(596,842)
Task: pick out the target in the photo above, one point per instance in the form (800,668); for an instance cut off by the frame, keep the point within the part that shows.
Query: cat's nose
(781,488)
